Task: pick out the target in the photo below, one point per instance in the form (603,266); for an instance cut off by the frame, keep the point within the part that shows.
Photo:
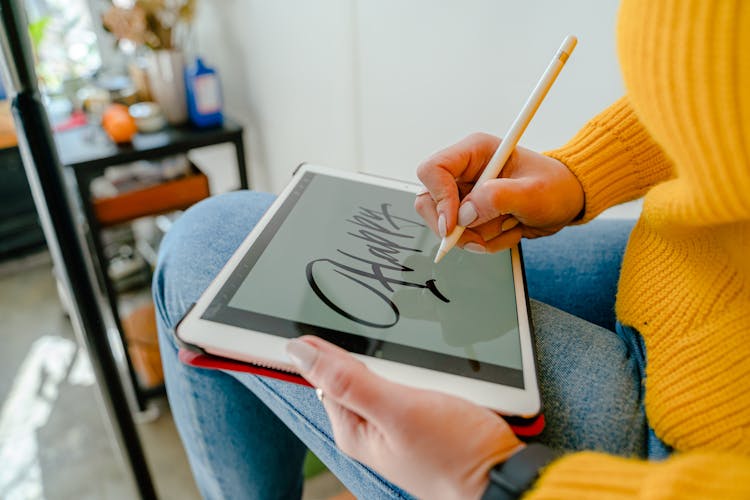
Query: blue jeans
(246,436)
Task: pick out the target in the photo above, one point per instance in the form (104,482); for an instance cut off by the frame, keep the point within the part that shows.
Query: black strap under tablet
(511,479)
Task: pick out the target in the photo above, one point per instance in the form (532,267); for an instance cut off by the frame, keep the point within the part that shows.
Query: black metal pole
(56,212)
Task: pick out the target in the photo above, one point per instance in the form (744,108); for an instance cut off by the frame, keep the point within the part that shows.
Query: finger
(463,161)
(348,429)
(492,199)
(427,209)
(344,379)
(444,192)
(471,240)
(495,227)
(506,240)
(464,188)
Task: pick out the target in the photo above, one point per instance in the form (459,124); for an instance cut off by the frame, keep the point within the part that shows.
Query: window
(65,42)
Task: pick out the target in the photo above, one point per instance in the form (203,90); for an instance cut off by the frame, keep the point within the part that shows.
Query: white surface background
(379,85)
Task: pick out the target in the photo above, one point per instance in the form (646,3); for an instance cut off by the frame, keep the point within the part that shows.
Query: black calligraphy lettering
(385,210)
(381,240)
(388,255)
(330,303)
(373,275)
(360,220)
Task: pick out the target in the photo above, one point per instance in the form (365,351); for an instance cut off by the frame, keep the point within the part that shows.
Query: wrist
(475,488)
(571,197)
(577,195)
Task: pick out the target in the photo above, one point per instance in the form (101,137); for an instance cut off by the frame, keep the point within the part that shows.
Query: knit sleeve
(695,474)
(614,158)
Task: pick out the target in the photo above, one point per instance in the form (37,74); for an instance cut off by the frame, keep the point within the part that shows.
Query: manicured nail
(467,214)
(509,224)
(475,248)
(441,226)
(302,354)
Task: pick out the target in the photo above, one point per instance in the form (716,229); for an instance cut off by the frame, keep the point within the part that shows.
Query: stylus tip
(441,253)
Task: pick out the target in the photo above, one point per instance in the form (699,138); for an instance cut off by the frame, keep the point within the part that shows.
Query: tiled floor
(53,440)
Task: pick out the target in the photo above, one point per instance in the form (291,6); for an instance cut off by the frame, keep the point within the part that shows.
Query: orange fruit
(118,124)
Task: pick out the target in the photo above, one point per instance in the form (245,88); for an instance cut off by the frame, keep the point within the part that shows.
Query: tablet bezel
(268,350)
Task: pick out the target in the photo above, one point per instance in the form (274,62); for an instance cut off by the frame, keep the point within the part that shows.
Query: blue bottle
(203,95)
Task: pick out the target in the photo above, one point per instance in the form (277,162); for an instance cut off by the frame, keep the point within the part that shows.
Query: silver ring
(319,393)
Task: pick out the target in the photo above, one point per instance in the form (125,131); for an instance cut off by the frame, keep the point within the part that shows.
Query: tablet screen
(352,263)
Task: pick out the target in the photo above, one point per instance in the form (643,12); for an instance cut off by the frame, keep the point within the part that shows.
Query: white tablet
(345,256)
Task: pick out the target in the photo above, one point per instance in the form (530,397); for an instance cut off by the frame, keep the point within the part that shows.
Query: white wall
(378,85)
(286,73)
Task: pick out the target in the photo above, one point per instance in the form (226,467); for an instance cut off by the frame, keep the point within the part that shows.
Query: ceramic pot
(166,81)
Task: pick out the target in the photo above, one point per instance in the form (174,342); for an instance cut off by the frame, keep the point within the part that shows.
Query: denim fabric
(656,449)
(577,269)
(245,436)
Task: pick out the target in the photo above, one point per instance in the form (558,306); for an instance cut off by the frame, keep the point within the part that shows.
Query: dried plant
(153,23)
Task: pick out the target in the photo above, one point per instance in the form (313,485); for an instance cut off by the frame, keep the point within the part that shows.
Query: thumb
(341,377)
(492,199)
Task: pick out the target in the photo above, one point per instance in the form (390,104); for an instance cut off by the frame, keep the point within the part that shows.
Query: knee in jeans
(216,211)
(198,245)
(223,218)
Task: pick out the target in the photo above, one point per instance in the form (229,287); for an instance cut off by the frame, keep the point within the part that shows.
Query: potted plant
(161,26)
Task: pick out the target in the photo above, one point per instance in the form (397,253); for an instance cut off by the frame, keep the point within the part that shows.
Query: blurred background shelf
(177,194)
(114,206)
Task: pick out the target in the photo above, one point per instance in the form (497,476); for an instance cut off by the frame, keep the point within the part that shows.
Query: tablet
(345,257)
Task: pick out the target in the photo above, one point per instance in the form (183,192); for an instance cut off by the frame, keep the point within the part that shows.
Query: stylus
(497,162)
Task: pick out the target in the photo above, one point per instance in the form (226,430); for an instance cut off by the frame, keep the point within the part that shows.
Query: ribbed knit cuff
(590,475)
(692,474)
(614,158)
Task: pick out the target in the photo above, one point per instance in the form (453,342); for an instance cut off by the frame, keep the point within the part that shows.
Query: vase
(166,80)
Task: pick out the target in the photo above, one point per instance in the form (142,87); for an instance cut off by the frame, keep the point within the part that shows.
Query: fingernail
(466,214)
(509,224)
(441,226)
(302,354)
(475,248)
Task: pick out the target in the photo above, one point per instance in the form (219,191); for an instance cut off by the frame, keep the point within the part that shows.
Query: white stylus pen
(497,162)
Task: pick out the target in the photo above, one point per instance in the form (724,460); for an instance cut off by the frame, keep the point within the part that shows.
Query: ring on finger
(319,394)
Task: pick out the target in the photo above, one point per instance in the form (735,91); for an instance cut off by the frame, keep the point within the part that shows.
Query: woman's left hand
(431,444)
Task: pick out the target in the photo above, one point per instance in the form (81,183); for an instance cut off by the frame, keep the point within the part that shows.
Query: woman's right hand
(535,195)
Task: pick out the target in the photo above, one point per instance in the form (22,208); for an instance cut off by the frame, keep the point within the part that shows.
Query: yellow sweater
(682,138)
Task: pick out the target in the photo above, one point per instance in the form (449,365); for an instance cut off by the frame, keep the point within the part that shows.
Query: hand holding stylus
(536,195)
(498,160)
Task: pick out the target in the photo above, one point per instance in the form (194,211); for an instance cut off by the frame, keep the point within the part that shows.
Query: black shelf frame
(57,210)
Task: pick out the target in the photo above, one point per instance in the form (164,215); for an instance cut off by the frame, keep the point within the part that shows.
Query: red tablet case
(523,427)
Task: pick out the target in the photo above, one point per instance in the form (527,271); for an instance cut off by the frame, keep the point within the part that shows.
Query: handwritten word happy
(386,238)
